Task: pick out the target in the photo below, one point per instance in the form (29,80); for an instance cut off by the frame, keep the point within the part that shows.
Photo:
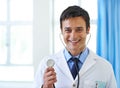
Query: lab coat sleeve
(38,81)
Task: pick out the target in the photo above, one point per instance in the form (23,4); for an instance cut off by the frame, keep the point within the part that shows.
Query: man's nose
(73,34)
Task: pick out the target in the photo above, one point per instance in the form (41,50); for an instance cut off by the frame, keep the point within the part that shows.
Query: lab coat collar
(89,62)
(62,64)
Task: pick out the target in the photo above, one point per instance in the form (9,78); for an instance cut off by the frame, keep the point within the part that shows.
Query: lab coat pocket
(100,84)
(88,84)
(94,84)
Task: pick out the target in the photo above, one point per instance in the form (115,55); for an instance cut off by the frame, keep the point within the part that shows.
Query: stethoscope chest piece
(50,63)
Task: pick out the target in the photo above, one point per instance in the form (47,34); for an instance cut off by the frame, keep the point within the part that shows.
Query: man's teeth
(74,41)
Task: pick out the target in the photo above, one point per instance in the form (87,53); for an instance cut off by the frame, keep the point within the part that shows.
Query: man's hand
(49,78)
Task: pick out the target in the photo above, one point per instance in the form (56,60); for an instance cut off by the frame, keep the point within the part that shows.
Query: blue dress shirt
(82,57)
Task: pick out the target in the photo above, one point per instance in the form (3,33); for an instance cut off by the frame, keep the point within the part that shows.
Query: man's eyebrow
(67,27)
(75,27)
(79,27)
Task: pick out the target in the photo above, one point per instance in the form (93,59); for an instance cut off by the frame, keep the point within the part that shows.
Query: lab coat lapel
(62,64)
(89,62)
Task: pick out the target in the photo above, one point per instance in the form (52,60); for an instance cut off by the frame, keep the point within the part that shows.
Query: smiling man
(74,32)
(76,66)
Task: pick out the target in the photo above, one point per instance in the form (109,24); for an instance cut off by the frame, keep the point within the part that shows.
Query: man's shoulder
(100,59)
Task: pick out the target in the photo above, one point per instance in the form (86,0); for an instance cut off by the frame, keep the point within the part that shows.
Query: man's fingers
(49,76)
(49,69)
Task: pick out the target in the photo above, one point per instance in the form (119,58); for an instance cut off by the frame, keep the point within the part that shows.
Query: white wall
(41,39)
(16,84)
(41,30)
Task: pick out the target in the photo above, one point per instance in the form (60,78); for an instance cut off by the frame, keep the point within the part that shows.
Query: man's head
(75,26)
(75,11)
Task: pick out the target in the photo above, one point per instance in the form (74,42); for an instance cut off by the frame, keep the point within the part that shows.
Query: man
(76,66)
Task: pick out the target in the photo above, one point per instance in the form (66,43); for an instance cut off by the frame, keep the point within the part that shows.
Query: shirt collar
(67,55)
(82,56)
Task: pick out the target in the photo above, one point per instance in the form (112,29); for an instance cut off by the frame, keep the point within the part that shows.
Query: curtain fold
(108,33)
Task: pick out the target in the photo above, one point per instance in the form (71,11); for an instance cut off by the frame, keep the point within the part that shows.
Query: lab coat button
(74,85)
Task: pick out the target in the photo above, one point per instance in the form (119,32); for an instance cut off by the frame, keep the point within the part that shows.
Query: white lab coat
(96,71)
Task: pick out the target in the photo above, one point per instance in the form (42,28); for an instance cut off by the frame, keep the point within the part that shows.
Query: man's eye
(79,30)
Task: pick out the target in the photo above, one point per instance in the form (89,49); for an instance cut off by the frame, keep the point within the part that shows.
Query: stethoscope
(51,62)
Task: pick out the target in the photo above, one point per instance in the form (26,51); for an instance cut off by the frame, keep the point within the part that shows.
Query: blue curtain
(108,33)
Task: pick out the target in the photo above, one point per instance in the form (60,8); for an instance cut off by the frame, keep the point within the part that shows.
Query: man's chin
(73,49)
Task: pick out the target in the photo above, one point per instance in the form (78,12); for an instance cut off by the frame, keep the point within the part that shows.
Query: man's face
(74,33)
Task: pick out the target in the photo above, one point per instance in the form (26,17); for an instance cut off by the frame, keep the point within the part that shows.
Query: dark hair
(75,11)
